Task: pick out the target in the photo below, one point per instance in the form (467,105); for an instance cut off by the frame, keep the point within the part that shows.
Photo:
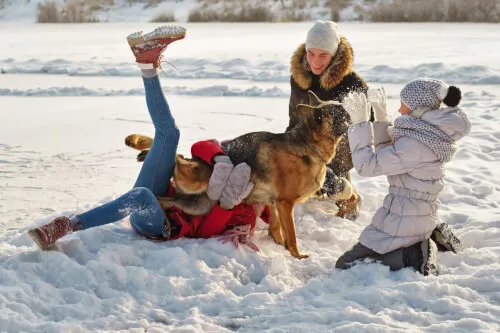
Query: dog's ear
(313,99)
(304,110)
(179,158)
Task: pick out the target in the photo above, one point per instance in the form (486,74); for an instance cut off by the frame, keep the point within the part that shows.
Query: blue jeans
(146,214)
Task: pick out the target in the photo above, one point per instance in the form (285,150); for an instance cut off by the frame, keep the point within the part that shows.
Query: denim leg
(147,219)
(146,214)
(158,166)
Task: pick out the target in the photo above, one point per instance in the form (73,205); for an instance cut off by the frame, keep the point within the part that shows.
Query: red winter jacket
(218,219)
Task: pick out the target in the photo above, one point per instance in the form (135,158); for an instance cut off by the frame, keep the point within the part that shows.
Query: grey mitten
(238,186)
(220,175)
(445,239)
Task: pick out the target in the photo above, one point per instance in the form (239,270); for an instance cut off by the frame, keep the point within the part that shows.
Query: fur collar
(340,66)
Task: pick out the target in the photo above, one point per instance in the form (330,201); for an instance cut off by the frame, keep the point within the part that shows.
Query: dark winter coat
(334,83)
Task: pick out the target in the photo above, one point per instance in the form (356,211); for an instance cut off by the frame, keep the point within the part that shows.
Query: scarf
(441,144)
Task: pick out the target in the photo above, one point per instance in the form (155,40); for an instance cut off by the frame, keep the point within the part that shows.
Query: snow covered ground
(71,93)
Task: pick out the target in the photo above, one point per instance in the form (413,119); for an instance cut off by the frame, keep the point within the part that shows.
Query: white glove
(357,106)
(378,100)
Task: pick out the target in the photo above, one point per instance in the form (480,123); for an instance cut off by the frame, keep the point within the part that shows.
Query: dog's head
(191,175)
(324,118)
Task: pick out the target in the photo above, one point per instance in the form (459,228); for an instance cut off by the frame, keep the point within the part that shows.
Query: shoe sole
(167,31)
(448,239)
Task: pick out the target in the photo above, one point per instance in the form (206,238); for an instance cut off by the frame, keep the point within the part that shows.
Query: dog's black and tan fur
(287,168)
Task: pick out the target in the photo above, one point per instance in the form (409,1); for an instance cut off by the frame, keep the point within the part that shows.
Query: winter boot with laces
(47,235)
(148,48)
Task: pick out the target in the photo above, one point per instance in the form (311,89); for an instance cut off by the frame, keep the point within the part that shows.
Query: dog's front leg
(275,225)
(285,211)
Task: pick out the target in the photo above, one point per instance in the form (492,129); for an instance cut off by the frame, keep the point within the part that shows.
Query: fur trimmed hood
(340,66)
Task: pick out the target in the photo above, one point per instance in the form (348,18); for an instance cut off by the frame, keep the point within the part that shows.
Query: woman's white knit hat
(422,95)
(323,35)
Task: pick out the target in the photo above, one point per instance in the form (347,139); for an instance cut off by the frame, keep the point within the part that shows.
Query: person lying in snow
(146,214)
(412,153)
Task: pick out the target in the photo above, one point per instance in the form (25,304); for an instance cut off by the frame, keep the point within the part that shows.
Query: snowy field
(69,94)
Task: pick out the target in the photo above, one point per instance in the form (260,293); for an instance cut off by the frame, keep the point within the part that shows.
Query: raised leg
(159,163)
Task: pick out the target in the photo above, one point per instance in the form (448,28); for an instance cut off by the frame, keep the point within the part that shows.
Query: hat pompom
(453,97)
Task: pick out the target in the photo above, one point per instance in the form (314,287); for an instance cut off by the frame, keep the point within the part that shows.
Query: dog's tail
(139,141)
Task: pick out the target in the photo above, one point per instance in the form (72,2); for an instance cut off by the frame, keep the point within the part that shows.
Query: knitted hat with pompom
(422,95)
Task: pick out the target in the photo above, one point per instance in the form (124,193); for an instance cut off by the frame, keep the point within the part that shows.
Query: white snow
(71,94)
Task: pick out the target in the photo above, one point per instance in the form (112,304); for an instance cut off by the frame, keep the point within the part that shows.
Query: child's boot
(148,48)
(430,256)
(46,235)
(422,256)
(445,239)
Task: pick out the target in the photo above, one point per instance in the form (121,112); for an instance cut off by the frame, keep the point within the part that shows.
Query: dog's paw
(295,253)
(142,155)
(138,141)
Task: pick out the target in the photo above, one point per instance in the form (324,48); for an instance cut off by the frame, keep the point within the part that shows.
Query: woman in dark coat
(323,64)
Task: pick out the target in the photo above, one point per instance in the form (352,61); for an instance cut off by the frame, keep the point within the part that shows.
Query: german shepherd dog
(287,168)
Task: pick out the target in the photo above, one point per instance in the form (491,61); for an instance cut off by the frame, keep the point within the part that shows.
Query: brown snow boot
(46,235)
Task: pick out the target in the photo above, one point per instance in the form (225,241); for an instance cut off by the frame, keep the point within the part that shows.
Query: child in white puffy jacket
(411,153)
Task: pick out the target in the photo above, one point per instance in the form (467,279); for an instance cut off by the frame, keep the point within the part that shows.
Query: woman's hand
(357,106)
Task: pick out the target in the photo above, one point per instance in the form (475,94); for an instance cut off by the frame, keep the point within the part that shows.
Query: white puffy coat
(415,174)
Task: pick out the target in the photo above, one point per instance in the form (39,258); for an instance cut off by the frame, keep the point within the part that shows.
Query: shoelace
(57,229)
(160,61)
(239,235)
